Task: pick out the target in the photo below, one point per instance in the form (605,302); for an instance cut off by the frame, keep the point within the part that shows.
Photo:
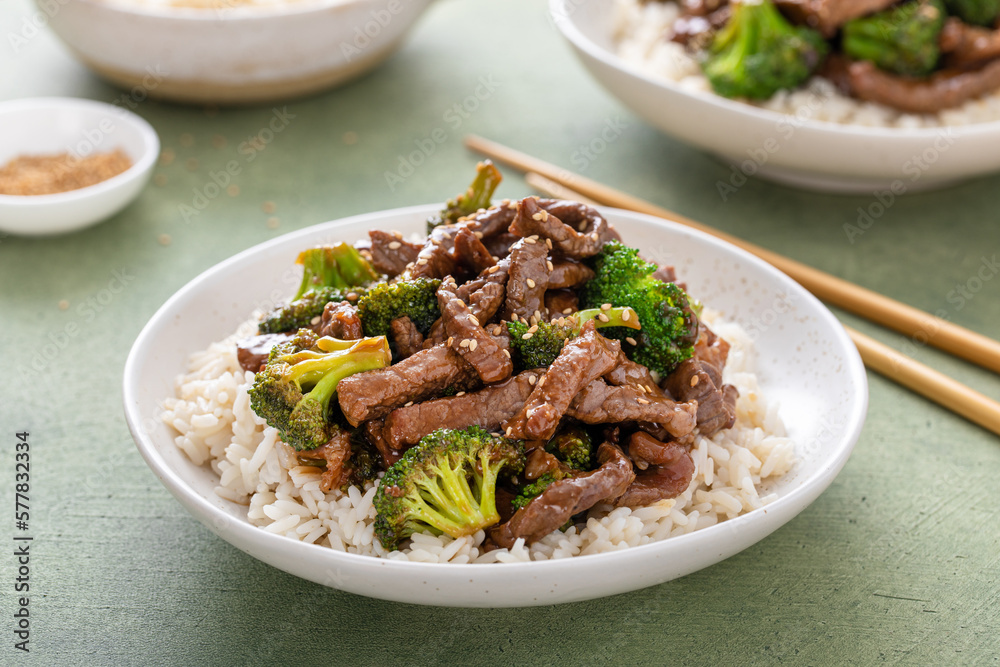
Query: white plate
(790,149)
(54,125)
(805,360)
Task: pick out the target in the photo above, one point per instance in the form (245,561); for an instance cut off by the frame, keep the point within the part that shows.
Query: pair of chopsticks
(947,336)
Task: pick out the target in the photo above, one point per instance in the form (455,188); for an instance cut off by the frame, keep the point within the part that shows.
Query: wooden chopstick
(910,321)
(903,370)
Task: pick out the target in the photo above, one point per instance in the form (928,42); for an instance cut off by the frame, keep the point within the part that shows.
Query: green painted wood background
(898,562)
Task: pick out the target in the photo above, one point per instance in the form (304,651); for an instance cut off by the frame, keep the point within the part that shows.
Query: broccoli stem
(616,317)
(328,370)
(477,196)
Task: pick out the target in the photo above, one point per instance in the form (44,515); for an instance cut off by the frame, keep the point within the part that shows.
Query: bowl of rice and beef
(840,96)
(441,403)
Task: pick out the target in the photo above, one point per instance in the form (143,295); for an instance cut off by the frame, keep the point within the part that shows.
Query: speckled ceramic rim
(705,542)
(241,13)
(141,168)
(562,15)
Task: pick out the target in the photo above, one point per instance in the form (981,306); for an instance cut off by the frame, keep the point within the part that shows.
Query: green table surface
(897,562)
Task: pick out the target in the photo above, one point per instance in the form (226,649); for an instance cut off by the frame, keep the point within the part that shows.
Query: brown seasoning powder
(49,174)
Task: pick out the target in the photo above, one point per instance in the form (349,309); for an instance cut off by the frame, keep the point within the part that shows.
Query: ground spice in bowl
(49,174)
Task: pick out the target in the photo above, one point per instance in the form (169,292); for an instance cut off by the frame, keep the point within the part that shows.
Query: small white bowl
(794,150)
(806,363)
(54,125)
(236,54)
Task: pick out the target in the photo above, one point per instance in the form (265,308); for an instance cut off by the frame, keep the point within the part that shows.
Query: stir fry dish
(507,374)
(917,56)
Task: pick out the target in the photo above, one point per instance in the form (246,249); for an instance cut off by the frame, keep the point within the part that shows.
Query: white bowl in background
(798,151)
(235,54)
(806,362)
(55,125)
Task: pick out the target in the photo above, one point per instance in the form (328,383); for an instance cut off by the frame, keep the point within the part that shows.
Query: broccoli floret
(668,320)
(902,40)
(477,196)
(445,484)
(758,52)
(292,392)
(534,349)
(976,12)
(530,491)
(363,465)
(300,313)
(572,445)
(384,302)
(339,266)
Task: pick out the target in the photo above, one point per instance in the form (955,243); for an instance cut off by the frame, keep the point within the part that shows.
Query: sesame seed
(465,342)
(510,430)
(583,225)
(493,269)
(268,207)
(541,382)
(408,404)
(531,283)
(512,206)
(642,389)
(695,380)
(538,216)
(461,393)
(450,340)
(507,352)
(532,320)
(473,345)
(351,296)
(422,261)
(538,315)
(605,306)
(594,236)
(395,245)
(398,234)
(513,317)
(642,401)
(567,311)
(163,239)
(474,320)
(315,320)
(527,336)
(602,317)
(64,304)
(274,223)
(530,240)
(630,340)
(548,242)
(533,329)
(548,263)
(626,314)
(479,235)
(532,379)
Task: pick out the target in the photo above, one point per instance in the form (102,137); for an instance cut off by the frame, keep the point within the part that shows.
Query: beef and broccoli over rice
(520,385)
(891,63)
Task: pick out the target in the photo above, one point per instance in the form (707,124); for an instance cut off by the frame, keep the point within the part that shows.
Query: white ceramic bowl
(794,150)
(53,125)
(806,362)
(236,53)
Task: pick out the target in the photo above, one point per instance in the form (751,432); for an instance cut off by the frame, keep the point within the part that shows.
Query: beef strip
(582,359)
(529,278)
(467,337)
(427,373)
(484,294)
(667,476)
(575,230)
(561,301)
(567,273)
(945,89)
(696,31)
(539,462)
(601,403)
(488,408)
(470,251)
(700,379)
(828,15)
(373,431)
(965,45)
(390,253)
(406,337)
(627,372)
(336,453)
(666,274)
(561,500)
(252,353)
(340,320)
(492,221)
(499,244)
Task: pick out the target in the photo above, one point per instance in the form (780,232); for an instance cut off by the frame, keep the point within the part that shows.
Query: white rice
(216,426)
(640,30)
